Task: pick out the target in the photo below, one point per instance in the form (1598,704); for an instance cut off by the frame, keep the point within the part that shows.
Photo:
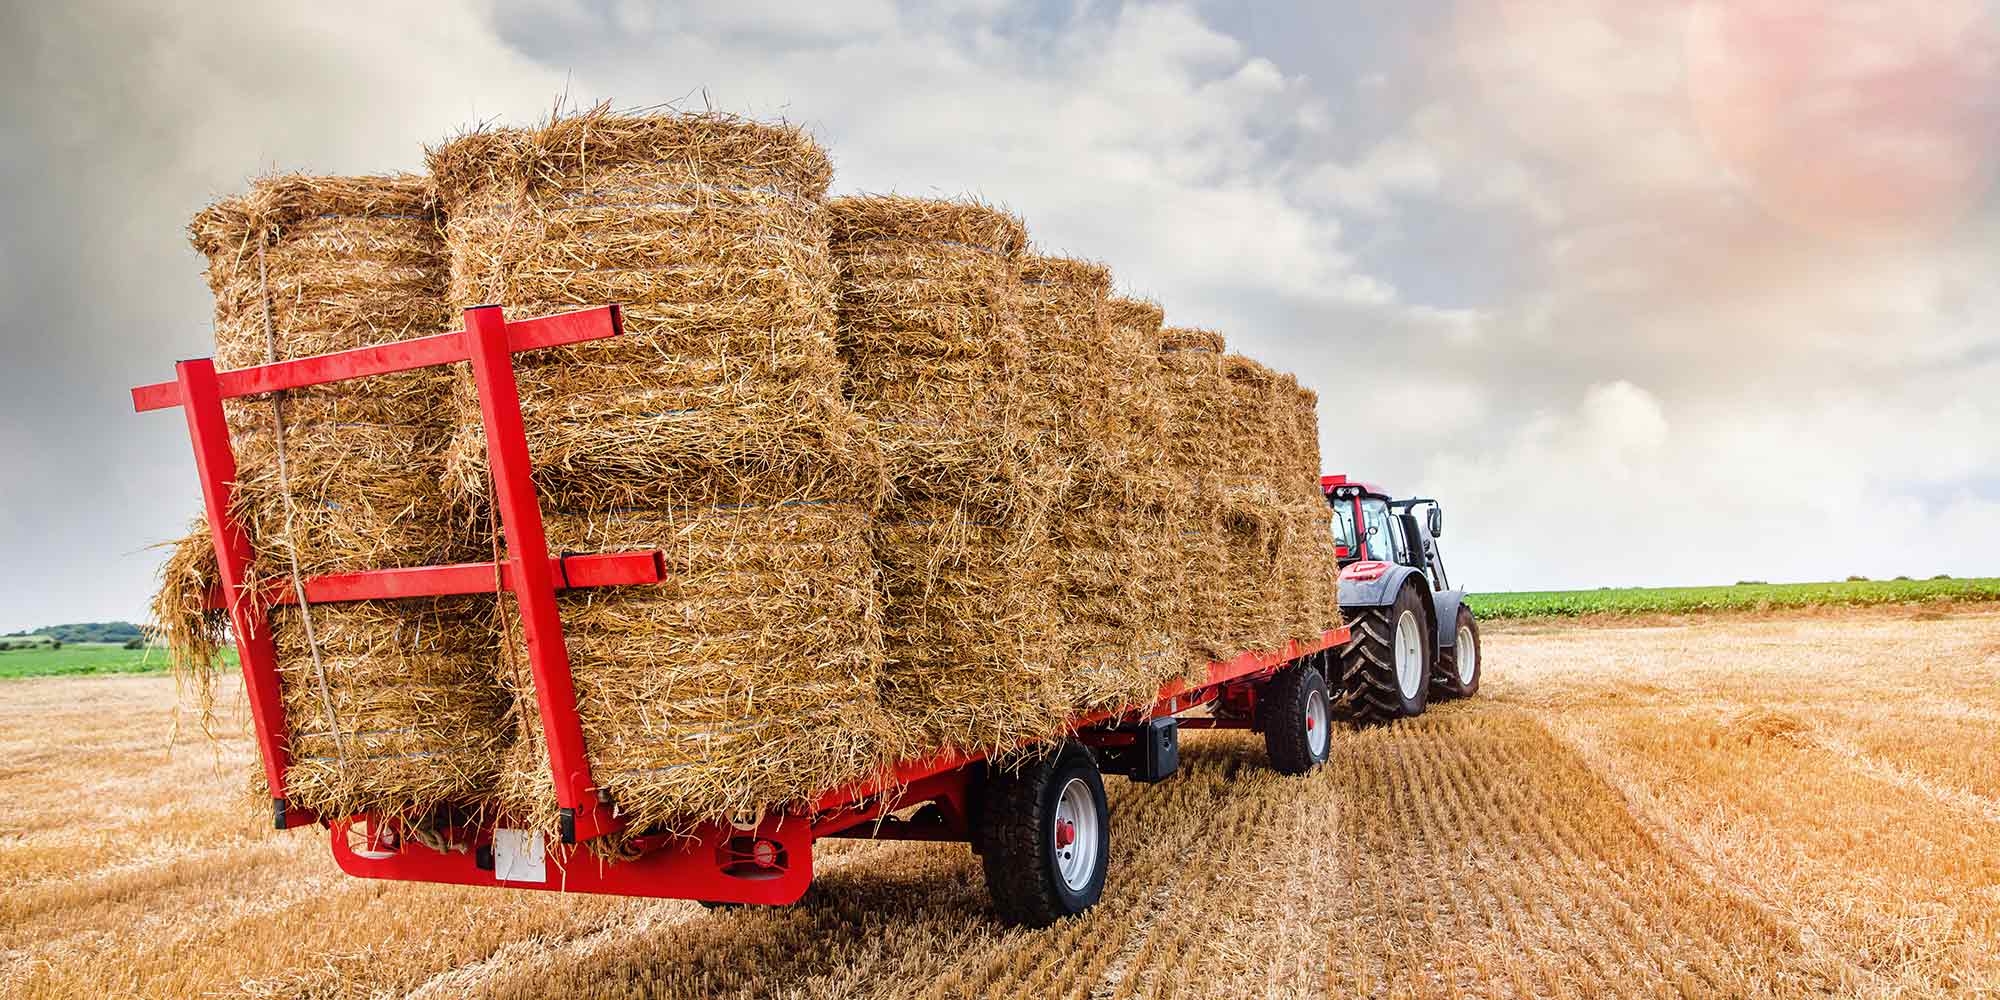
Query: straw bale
(1064,380)
(1158,502)
(928,301)
(342,262)
(709,230)
(715,429)
(929,324)
(1309,570)
(1253,596)
(745,679)
(969,629)
(397,711)
(406,718)
(1108,524)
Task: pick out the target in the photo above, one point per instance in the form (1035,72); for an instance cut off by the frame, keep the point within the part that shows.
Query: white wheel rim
(1316,720)
(1468,657)
(1409,655)
(1076,810)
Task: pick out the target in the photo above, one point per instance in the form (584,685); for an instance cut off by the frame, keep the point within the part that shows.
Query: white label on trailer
(518,857)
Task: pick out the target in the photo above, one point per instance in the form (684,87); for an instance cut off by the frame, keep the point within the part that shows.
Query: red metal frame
(489,342)
(770,862)
(699,866)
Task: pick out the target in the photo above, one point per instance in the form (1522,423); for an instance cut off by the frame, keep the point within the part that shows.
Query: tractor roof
(1327,483)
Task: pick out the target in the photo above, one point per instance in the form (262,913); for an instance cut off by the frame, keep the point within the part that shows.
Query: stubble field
(1801,805)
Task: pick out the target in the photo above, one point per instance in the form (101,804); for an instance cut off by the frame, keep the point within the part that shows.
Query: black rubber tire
(1281,715)
(1018,832)
(1367,692)
(1445,683)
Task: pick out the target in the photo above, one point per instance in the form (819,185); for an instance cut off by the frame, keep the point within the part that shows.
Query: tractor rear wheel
(1046,834)
(1458,667)
(1385,668)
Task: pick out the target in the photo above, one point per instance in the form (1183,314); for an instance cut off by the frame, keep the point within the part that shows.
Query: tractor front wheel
(1458,667)
(1385,668)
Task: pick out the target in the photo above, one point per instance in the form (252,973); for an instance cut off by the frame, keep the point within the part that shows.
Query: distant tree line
(119,632)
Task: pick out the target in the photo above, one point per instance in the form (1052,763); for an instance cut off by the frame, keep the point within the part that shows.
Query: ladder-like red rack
(533,576)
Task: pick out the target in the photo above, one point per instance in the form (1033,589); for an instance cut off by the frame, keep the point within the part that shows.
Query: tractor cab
(1371,527)
(1414,636)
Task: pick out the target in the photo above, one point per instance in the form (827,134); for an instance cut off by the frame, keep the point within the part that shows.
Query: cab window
(1343,526)
(1379,527)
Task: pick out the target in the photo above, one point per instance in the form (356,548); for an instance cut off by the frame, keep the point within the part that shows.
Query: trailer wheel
(1047,834)
(1458,667)
(1293,712)
(1385,668)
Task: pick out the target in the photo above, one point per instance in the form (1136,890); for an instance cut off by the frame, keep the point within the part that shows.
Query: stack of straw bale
(1089,547)
(1252,505)
(1156,504)
(929,303)
(391,706)
(1310,571)
(715,429)
(1196,454)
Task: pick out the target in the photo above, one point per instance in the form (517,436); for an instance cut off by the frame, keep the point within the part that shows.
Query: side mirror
(1436,521)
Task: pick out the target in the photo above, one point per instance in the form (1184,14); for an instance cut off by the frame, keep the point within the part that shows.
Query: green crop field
(1740,597)
(84,658)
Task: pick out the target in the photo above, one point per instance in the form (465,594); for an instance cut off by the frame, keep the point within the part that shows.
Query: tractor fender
(1382,591)
(1445,605)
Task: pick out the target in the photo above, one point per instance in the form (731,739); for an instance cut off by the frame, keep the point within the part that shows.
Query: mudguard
(1383,589)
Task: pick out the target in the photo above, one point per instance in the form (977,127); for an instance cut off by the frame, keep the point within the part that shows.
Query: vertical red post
(584,815)
(201,400)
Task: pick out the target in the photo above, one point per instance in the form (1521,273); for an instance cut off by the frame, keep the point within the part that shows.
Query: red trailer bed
(765,861)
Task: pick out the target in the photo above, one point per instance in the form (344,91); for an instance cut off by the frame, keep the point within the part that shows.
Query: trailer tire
(1376,675)
(1448,682)
(1293,713)
(1046,829)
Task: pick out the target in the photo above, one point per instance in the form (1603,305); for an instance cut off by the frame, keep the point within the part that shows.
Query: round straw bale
(397,710)
(308,265)
(747,678)
(929,327)
(709,230)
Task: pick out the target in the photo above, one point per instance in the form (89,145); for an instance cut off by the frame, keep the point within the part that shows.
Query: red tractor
(1413,639)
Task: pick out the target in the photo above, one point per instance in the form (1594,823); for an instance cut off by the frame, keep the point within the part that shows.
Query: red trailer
(1040,823)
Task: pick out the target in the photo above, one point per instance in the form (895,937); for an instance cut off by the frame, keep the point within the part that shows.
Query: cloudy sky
(1646,292)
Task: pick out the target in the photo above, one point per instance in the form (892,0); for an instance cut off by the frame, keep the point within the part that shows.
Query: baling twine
(285,488)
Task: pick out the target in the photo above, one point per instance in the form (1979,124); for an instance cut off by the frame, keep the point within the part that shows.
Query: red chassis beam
(699,867)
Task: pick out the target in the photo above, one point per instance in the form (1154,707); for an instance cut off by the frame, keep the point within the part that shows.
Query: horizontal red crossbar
(403,355)
(603,569)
